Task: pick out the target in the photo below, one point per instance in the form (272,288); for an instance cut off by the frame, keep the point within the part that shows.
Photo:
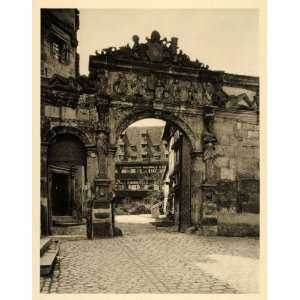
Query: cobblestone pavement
(148,260)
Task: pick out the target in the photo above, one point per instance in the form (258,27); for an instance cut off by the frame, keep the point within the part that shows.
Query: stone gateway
(217,114)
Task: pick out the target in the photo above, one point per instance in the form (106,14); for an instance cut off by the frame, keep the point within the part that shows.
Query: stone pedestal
(101,211)
(209,222)
(197,171)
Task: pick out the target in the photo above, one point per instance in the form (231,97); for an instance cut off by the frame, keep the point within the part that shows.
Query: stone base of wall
(238,230)
(240,195)
(102,230)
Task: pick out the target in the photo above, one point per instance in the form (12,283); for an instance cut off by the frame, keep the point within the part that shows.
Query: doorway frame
(68,171)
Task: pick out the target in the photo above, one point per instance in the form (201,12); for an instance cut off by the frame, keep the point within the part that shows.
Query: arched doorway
(66,178)
(153,169)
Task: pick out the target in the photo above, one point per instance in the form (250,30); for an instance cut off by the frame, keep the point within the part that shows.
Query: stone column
(209,208)
(111,166)
(101,211)
(91,170)
(91,173)
(197,171)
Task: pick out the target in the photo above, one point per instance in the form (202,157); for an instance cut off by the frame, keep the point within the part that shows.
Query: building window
(156,187)
(152,170)
(133,148)
(133,157)
(145,157)
(60,50)
(134,185)
(133,171)
(121,157)
(157,157)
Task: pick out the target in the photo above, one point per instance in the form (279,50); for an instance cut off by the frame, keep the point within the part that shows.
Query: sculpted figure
(209,156)
(102,84)
(168,88)
(196,93)
(240,101)
(183,92)
(140,85)
(159,90)
(176,90)
(120,86)
(208,92)
(102,151)
(125,51)
(138,50)
(108,51)
(102,110)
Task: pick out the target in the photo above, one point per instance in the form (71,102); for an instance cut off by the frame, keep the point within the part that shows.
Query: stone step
(163,223)
(48,259)
(66,221)
(44,245)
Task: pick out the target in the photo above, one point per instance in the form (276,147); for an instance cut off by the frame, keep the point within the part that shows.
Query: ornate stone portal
(156,79)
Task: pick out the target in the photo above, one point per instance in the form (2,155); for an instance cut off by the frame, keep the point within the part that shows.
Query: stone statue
(120,86)
(196,93)
(170,53)
(102,151)
(102,106)
(102,84)
(208,118)
(208,157)
(159,90)
(155,47)
(108,51)
(208,92)
(175,90)
(239,102)
(155,50)
(184,92)
(136,48)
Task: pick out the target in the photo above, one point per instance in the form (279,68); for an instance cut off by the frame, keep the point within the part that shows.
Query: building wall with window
(63,155)
(141,160)
(59,42)
(176,179)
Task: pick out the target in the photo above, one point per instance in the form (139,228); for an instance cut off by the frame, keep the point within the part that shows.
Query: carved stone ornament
(208,118)
(155,50)
(102,151)
(103,113)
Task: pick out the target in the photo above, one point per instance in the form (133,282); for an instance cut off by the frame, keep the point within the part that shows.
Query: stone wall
(237,161)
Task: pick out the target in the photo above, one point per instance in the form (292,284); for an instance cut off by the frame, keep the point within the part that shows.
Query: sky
(225,39)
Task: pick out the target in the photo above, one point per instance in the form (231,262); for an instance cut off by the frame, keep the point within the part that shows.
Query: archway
(153,168)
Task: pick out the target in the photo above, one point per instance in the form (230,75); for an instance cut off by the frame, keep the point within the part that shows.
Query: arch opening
(152,170)
(157,115)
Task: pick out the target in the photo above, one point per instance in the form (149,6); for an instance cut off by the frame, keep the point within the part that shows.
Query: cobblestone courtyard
(150,260)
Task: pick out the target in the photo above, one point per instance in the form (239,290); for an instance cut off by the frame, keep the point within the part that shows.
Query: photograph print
(150,151)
